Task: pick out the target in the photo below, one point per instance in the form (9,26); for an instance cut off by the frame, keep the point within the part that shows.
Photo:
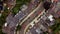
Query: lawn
(56,27)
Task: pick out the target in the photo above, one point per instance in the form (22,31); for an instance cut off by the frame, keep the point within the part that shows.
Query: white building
(24,7)
(50,17)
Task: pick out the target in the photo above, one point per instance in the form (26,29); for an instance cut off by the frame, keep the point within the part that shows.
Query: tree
(56,26)
(3,19)
(19,3)
(3,16)
(46,5)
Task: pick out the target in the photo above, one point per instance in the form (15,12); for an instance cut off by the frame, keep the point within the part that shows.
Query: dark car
(1,5)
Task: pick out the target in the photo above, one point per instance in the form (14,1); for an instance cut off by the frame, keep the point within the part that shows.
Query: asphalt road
(53,9)
(30,8)
(31,17)
(34,21)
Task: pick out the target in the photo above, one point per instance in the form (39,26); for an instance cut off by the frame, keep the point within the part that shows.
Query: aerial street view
(29,16)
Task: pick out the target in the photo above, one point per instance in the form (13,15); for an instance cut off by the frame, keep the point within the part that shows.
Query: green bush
(18,28)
